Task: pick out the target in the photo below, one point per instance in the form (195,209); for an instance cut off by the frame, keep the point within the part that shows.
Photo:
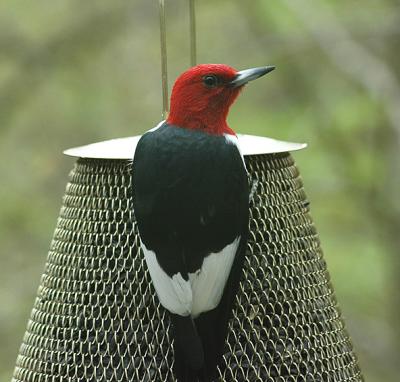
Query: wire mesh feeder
(97,318)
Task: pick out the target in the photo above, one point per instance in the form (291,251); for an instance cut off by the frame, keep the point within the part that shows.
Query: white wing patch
(208,284)
(183,292)
(172,292)
(202,292)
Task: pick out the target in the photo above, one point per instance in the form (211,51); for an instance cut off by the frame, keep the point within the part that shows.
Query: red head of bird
(201,96)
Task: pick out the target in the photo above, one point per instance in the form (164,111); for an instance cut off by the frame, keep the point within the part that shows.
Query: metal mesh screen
(97,318)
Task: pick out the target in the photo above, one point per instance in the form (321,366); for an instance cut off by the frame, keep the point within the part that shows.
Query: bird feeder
(97,318)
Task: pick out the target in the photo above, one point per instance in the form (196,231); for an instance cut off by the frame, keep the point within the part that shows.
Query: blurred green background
(74,72)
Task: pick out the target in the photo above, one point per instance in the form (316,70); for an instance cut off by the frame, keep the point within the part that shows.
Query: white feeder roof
(124,148)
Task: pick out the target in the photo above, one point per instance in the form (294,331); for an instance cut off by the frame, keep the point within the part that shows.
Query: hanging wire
(163,40)
(164,69)
(192,18)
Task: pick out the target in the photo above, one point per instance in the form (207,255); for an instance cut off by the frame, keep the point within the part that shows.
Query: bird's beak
(244,76)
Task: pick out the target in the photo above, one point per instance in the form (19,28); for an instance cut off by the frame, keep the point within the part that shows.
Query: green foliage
(74,72)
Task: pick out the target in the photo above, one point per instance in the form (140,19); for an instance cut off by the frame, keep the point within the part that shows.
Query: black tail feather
(188,349)
(211,331)
(197,347)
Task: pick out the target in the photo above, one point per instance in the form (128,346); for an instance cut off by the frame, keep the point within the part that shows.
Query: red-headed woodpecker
(191,202)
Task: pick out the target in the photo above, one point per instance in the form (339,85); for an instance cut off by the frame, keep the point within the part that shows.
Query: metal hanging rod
(192,19)
(163,41)
(164,68)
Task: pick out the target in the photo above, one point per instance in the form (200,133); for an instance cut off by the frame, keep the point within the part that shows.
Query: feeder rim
(124,148)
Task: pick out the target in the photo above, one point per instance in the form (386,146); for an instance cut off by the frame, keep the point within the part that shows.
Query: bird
(191,204)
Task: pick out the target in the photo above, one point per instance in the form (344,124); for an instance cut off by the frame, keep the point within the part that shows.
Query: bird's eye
(210,81)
